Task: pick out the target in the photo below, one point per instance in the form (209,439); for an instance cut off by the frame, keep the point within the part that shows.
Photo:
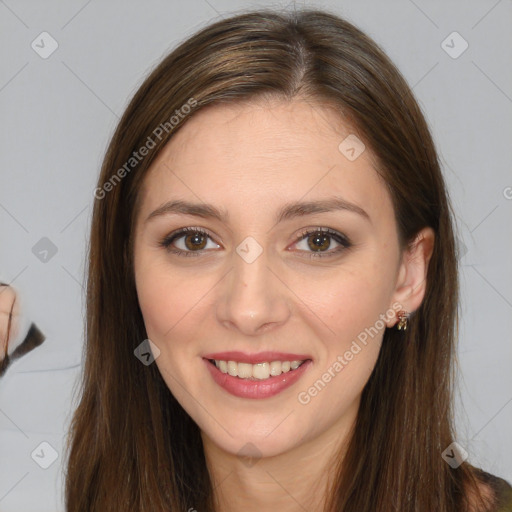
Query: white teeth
(232,368)
(258,371)
(275,368)
(244,370)
(261,371)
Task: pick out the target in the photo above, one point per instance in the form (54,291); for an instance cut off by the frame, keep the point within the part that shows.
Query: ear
(412,275)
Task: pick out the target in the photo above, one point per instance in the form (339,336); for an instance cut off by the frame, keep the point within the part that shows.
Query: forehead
(241,156)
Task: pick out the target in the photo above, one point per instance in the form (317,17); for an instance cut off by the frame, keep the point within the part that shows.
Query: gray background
(58,114)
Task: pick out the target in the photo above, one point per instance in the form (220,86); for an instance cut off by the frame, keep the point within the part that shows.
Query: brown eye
(319,241)
(189,242)
(195,241)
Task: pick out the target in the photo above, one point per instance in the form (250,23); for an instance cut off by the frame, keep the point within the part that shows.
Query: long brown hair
(132,447)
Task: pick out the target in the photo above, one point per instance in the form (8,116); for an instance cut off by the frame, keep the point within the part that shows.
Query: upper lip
(260,357)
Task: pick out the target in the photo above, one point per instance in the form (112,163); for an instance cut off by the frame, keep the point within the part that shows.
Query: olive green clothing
(502,489)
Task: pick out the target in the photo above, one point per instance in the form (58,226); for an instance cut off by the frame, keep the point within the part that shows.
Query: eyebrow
(287,212)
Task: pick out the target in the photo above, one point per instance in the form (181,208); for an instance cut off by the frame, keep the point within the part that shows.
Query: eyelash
(344,241)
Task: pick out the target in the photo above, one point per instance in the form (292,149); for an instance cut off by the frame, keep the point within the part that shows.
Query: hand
(10,327)
(8,317)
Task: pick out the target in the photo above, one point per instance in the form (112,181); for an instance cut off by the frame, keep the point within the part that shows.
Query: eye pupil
(319,241)
(195,241)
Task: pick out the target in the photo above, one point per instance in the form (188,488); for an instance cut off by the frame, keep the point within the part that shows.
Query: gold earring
(403,318)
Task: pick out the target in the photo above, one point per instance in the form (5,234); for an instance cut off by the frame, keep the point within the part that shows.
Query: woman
(272,290)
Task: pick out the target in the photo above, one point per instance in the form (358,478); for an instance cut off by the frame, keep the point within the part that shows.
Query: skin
(251,159)
(7,299)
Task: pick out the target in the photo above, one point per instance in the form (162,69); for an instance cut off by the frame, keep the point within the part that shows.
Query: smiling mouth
(259,371)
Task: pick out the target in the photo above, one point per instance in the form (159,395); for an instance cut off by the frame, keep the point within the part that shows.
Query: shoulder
(498,490)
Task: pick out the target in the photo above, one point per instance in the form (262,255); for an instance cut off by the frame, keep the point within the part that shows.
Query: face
(226,260)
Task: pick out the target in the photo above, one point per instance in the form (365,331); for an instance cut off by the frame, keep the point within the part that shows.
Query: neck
(297,480)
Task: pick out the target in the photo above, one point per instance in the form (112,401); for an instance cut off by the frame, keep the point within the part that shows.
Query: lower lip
(264,388)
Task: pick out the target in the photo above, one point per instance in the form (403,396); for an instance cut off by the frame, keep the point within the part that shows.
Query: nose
(252,299)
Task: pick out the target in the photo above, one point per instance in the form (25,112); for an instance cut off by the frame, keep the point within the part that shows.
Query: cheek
(156,303)
(349,319)
(349,301)
(169,300)
(349,352)
(158,297)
